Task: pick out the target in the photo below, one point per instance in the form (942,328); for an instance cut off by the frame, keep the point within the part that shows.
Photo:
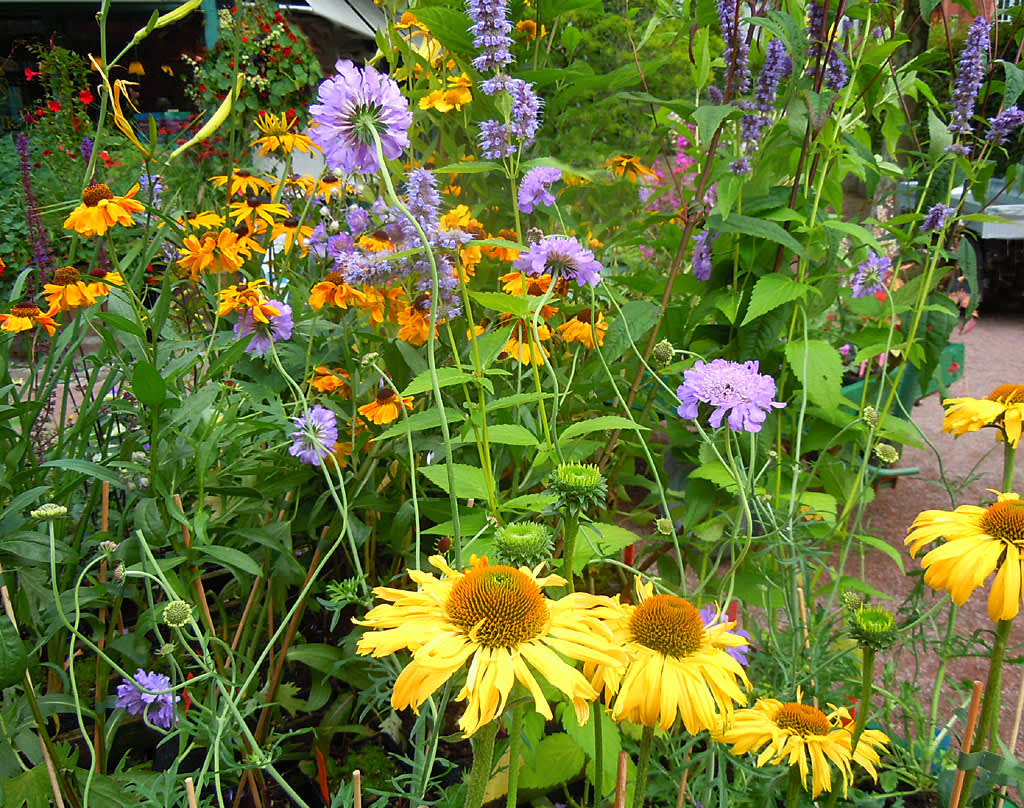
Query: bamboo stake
(965,743)
(190,790)
(357,787)
(1013,735)
(620,780)
(681,799)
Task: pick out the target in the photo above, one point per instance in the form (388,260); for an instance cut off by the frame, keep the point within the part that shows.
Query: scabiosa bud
(970,73)
(663,352)
(873,627)
(936,218)
(523,544)
(702,264)
(852,600)
(886,452)
(1004,124)
(48,512)
(663,526)
(120,573)
(870,416)
(578,485)
(177,613)
(166,649)
(108,548)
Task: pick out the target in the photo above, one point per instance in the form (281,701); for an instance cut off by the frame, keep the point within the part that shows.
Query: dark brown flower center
(291,224)
(1007,394)
(668,624)
(241,172)
(330,179)
(25,310)
(384,395)
(585,316)
(499,607)
(65,276)
(94,194)
(1005,521)
(803,719)
(334,277)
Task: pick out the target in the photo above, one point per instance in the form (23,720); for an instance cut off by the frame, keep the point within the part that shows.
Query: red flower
(954,367)
(245,39)
(40,112)
(31,74)
(286,52)
(54,105)
(47,152)
(86,97)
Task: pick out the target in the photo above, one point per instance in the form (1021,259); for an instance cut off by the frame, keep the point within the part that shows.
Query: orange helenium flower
(583,327)
(24,316)
(100,210)
(385,407)
(248,296)
(335,291)
(66,291)
(241,183)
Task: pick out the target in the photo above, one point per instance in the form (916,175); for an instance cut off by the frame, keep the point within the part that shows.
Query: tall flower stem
(866,688)
(483,755)
(793,788)
(571,527)
(643,765)
(515,736)
(989,720)
(598,754)
(1009,464)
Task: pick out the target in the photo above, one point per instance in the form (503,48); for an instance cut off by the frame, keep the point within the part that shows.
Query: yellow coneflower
(24,317)
(241,183)
(330,380)
(245,297)
(495,622)
(330,185)
(278,135)
(256,209)
(203,220)
(678,666)
(211,252)
(385,407)
(522,346)
(803,736)
(625,165)
(66,290)
(1003,409)
(414,320)
(301,184)
(583,327)
(977,542)
(335,291)
(101,209)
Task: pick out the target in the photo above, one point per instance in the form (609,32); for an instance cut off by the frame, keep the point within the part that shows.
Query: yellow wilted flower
(216,119)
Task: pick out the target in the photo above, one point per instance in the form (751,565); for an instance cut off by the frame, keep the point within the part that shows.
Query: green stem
(514,741)
(643,764)
(598,753)
(571,523)
(1009,460)
(866,688)
(793,789)
(483,755)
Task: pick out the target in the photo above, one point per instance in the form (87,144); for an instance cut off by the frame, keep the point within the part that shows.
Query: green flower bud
(874,627)
(166,649)
(870,416)
(49,512)
(578,485)
(344,592)
(663,352)
(886,452)
(108,547)
(523,544)
(177,613)
(664,527)
(852,600)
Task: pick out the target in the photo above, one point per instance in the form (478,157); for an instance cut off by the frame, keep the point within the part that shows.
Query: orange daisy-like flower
(522,346)
(248,297)
(256,209)
(293,233)
(100,210)
(518,283)
(415,321)
(330,185)
(278,135)
(504,254)
(630,167)
(241,183)
(385,407)
(335,291)
(66,290)
(529,29)
(583,327)
(977,542)
(375,242)
(104,280)
(25,316)
(330,380)
(380,304)
(212,253)
(300,184)
(202,220)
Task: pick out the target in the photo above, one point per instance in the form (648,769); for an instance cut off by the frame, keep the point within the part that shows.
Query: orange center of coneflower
(384,395)
(585,316)
(803,719)
(94,194)
(25,310)
(65,276)
(1005,521)
(499,606)
(1007,394)
(667,624)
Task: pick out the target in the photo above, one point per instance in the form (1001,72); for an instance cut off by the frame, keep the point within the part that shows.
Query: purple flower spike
(315,434)
(702,263)
(970,72)
(735,388)
(1004,124)
(280,328)
(535,188)
(491,30)
(156,708)
(563,255)
(936,218)
(353,103)
(712,616)
(871,276)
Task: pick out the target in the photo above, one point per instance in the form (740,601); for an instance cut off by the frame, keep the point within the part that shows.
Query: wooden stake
(681,799)
(620,780)
(965,744)
(357,787)
(190,790)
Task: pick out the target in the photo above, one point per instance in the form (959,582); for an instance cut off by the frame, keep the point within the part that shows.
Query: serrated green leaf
(708,118)
(505,435)
(603,423)
(446,377)
(503,303)
(716,473)
(469,480)
(758,228)
(772,291)
(819,368)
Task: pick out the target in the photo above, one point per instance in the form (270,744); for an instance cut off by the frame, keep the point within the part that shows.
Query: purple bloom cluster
(740,166)
(871,275)
(702,264)
(836,73)
(422,196)
(733,388)
(535,189)
(562,255)
(1004,124)
(151,187)
(737,52)
(970,72)
(42,257)
(315,434)
(353,104)
(85,147)
(264,335)
(357,219)
(491,30)
(156,708)
(712,616)
(524,119)
(777,66)
(936,218)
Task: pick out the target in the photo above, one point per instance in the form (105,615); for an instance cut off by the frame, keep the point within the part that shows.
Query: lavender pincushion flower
(563,255)
(711,616)
(315,434)
(735,388)
(264,335)
(535,189)
(352,103)
(936,218)
(156,708)
(871,275)
(970,72)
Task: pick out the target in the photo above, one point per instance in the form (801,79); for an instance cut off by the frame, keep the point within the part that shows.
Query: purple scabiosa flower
(710,616)
(155,708)
(353,104)
(936,218)
(871,275)
(315,434)
(736,51)
(702,264)
(491,29)
(1003,125)
(970,72)
(735,388)
(264,334)
(535,189)
(563,255)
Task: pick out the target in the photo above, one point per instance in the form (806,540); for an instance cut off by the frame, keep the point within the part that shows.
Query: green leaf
(122,323)
(1014,83)
(30,789)
(148,385)
(600,540)
(233,559)
(756,227)
(475,167)
(939,136)
(529,502)
(584,738)
(708,118)
(772,291)
(317,655)
(13,657)
(603,423)
(819,368)
(715,472)
(419,421)
(558,759)
(446,377)
(501,302)
(883,546)
(504,434)
(86,467)
(858,232)
(469,480)
(637,317)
